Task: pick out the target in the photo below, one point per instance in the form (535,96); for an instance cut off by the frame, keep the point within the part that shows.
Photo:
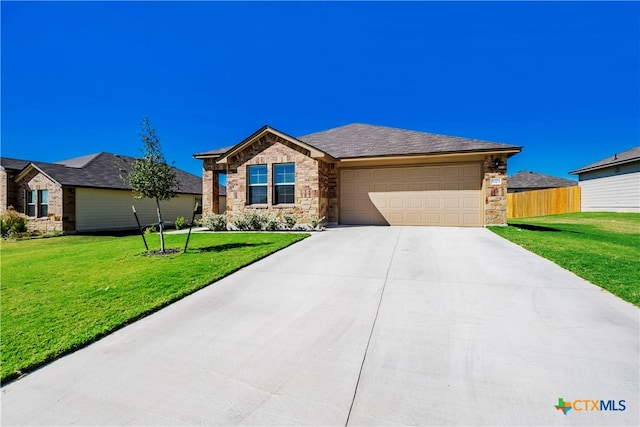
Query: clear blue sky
(560,79)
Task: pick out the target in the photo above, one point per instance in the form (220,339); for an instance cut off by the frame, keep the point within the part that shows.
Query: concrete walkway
(359,326)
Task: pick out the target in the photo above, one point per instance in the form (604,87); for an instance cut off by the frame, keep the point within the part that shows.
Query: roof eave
(593,168)
(509,151)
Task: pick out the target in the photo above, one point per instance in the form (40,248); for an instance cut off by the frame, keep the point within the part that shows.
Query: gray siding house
(611,184)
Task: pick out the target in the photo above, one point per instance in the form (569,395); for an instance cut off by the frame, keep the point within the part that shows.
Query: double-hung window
(284,179)
(257,184)
(43,203)
(37,203)
(31,203)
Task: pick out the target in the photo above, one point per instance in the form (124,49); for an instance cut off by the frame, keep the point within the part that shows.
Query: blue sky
(560,79)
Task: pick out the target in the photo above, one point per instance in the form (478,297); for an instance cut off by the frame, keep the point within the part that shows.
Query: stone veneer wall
(34,180)
(269,150)
(4,190)
(495,196)
(210,181)
(328,180)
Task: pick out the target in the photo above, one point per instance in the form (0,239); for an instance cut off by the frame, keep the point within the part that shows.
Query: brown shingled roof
(362,140)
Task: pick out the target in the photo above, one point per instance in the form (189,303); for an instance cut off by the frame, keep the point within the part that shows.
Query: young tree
(150,175)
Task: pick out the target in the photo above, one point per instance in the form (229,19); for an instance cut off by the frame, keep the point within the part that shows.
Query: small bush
(12,222)
(315,222)
(272,224)
(150,229)
(180,223)
(290,220)
(214,222)
(251,220)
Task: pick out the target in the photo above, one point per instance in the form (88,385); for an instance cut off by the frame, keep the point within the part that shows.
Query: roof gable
(630,155)
(223,158)
(528,179)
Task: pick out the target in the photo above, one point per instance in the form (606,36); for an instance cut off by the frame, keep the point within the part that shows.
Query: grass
(601,247)
(62,293)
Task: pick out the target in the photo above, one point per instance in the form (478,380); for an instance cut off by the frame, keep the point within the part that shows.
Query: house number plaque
(496,181)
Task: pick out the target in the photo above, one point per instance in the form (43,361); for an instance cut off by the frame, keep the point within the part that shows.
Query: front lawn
(61,293)
(601,247)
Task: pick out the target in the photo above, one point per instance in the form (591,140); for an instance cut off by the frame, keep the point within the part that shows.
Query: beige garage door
(422,195)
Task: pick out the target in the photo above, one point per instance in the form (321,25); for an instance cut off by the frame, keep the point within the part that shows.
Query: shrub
(315,222)
(289,220)
(214,222)
(272,224)
(251,220)
(150,229)
(12,222)
(180,223)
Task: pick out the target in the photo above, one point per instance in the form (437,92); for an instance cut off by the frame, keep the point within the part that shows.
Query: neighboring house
(611,184)
(87,194)
(528,181)
(363,174)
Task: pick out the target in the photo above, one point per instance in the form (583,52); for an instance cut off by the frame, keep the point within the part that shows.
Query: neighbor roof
(15,164)
(528,179)
(361,140)
(103,170)
(625,157)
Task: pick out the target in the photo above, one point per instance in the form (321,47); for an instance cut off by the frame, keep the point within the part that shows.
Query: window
(31,203)
(284,178)
(43,203)
(257,184)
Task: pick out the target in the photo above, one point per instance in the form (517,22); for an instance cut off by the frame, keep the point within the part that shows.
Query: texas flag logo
(563,406)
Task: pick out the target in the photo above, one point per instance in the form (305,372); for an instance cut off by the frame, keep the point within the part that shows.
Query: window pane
(31,210)
(44,196)
(44,210)
(258,195)
(257,174)
(284,173)
(285,194)
(31,196)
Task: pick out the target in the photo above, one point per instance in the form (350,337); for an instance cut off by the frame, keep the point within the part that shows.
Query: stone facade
(495,195)
(35,180)
(270,150)
(317,181)
(8,192)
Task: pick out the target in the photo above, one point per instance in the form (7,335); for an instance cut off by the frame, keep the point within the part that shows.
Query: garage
(437,195)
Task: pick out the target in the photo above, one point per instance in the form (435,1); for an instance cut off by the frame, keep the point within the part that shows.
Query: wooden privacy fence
(543,202)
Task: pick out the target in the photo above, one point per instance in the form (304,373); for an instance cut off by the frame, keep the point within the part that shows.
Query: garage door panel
(420,195)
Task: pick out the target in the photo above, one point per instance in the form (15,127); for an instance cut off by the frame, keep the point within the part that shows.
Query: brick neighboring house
(363,174)
(86,194)
(529,181)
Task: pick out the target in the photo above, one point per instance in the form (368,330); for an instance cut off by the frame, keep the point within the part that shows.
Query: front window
(257,184)
(31,203)
(43,203)
(284,178)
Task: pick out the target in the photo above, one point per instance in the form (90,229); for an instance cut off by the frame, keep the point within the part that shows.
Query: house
(611,184)
(87,194)
(529,181)
(363,174)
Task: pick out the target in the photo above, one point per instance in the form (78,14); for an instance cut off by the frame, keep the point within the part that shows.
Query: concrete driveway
(360,326)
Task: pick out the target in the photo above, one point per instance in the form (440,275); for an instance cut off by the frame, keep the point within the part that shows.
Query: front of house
(363,174)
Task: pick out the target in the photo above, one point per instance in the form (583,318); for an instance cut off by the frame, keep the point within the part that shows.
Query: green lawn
(61,293)
(602,247)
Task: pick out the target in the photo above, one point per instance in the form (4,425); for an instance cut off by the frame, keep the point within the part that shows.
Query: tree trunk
(161,225)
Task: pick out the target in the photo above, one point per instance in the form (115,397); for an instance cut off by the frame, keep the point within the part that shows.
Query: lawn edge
(17,375)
